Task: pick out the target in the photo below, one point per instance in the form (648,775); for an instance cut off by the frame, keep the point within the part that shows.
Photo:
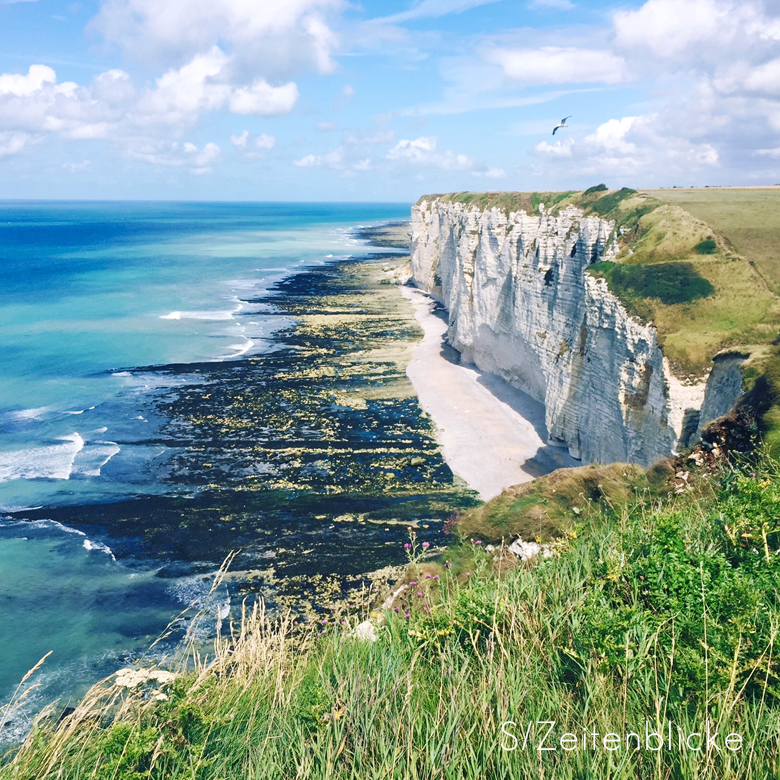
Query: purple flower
(395,609)
(426,545)
(407,546)
(427,576)
(343,622)
(479,541)
(412,583)
(468,573)
(752,473)
(419,593)
(324,622)
(436,576)
(406,615)
(447,565)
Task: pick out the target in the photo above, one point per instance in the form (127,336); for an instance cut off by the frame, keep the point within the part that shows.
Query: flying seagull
(562,124)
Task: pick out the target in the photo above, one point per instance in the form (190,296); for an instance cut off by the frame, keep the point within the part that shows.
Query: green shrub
(670,283)
(706,247)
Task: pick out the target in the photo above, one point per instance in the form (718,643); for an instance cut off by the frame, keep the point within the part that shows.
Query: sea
(110,313)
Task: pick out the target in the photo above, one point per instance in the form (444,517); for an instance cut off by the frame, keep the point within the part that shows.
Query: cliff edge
(528,292)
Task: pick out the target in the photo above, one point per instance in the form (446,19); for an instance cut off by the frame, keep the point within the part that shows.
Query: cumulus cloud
(22,86)
(279,36)
(557,65)
(111,108)
(240,140)
(265,141)
(633,146)
(423,152)
(333,159)
(11,143)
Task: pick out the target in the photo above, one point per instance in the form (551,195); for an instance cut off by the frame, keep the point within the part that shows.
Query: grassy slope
(651,609)
(744,311)
(749,217)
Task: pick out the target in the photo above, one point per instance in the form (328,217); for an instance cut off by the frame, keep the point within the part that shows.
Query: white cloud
(423,152)
(264,141)
(557,149)
(23,86)
(110,108)
(684,28)
(11,143)
(333,159)
(556,65)
(240,140)
(263,99)
(612,135)
(279,36)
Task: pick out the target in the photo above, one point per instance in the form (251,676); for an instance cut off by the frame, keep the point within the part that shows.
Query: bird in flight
(562,124)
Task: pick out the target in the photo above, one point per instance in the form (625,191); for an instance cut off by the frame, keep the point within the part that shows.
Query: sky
(383,100)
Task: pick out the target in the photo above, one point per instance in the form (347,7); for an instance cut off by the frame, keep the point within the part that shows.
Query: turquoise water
(88,293)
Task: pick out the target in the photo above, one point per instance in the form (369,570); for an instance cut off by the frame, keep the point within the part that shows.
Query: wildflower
(436,576)
(479,541)
(427,576)
(406,615)
(412,583)
(343,622)
(407,546)
(468,573)
(395,609)
(752,473)
(324,622)
(447,565)
(419,593)
(426,545)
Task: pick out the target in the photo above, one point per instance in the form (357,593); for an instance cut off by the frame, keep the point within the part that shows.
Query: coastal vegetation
(656,612)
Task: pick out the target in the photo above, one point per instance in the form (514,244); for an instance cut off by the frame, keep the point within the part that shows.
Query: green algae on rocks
(311,459)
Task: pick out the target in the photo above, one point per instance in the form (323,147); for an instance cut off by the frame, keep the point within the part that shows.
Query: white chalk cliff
(522,306)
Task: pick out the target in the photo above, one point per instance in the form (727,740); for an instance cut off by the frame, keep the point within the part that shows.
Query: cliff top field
(707,286)
(749,217)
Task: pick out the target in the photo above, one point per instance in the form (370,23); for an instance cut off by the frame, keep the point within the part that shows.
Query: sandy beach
(492,434)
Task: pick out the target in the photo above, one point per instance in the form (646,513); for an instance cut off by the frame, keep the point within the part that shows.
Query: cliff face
(521,305)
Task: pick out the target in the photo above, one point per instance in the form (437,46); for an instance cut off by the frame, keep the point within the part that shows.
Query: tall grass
(645,616)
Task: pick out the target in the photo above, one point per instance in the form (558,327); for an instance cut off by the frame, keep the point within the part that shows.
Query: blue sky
(337,100)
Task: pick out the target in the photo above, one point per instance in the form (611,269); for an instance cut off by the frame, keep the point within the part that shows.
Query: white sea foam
(93,457)
(241,349)
(99,547)
(30,414)
(44,523)
(54,461)
(200,315)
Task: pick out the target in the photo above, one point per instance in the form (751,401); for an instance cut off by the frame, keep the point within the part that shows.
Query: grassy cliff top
(706,285)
